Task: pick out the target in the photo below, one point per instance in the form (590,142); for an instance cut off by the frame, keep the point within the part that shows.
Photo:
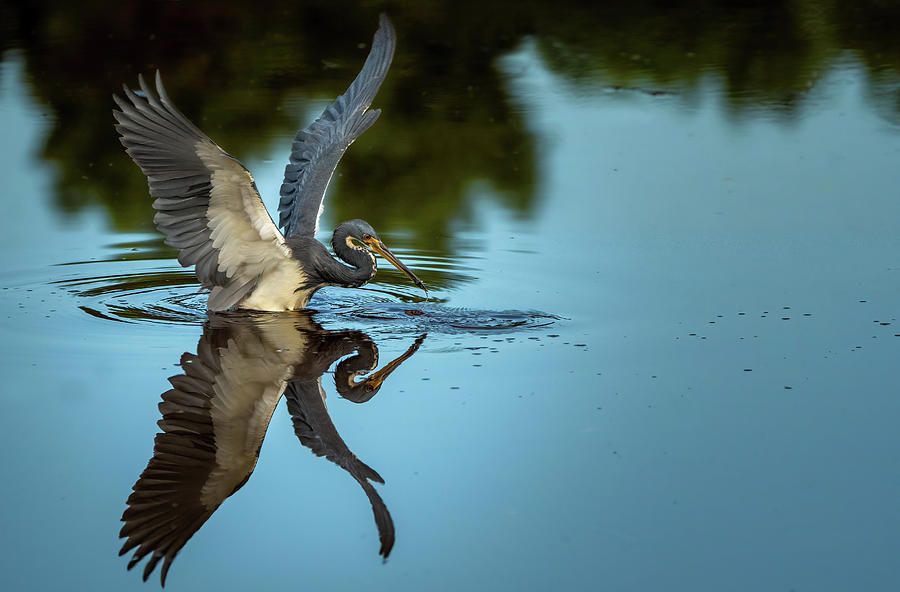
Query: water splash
(433,317)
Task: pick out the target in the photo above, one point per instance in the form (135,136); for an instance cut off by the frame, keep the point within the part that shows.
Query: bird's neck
(361,261)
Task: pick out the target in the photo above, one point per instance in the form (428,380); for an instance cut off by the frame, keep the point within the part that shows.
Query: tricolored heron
(216,415)
(209,208)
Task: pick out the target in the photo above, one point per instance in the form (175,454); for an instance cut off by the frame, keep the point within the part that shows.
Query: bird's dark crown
(358,229)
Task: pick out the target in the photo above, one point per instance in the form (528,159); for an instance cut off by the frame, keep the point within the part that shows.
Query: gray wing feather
(165,509)
(316,431)
(318,148)
(213,423)
(207,203)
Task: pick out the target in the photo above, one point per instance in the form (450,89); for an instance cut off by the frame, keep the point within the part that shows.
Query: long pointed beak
(379,247)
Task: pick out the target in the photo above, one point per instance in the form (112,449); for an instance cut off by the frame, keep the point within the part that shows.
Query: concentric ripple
(158,295)
(160,292)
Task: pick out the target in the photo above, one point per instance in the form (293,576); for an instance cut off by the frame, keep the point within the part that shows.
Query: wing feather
(207,202)
(318,148)
(213,423)
(315,430)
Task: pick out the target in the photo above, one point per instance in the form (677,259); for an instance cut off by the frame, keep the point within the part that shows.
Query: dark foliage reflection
(245,74)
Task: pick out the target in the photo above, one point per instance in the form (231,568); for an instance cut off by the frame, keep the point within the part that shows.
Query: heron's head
(361,235)
(349,375)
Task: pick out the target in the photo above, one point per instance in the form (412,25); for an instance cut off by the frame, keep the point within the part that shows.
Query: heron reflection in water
(215,417)
(209,208)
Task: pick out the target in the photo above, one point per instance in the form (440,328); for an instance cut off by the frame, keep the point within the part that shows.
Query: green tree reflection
(246,72)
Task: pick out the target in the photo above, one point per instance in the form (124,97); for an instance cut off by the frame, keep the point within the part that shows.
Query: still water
(660,349)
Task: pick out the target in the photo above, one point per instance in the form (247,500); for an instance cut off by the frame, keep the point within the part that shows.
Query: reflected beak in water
(373,382)
(378,247)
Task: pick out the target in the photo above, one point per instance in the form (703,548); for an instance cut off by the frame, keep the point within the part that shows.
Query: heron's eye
(367,236)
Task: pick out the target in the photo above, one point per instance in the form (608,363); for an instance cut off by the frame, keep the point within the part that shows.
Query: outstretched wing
(315,430)
(207,203)
(213,423)
(318,148)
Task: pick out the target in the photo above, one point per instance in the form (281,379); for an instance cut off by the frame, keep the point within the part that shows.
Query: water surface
(660,347)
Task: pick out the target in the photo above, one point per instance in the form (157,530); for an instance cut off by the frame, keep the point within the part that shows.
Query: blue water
(701,393)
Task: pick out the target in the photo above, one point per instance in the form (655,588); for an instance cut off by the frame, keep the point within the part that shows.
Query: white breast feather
(249,244)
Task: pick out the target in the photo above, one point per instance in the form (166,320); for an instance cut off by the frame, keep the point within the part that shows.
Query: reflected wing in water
(314,428)
(312,423)
(216,415)
(214,421)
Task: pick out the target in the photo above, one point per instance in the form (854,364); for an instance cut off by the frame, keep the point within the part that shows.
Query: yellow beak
(379,247)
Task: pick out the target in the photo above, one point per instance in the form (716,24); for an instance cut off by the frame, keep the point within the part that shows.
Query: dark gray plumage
(209,208)
(318,148)
(315,430)
(320,267)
